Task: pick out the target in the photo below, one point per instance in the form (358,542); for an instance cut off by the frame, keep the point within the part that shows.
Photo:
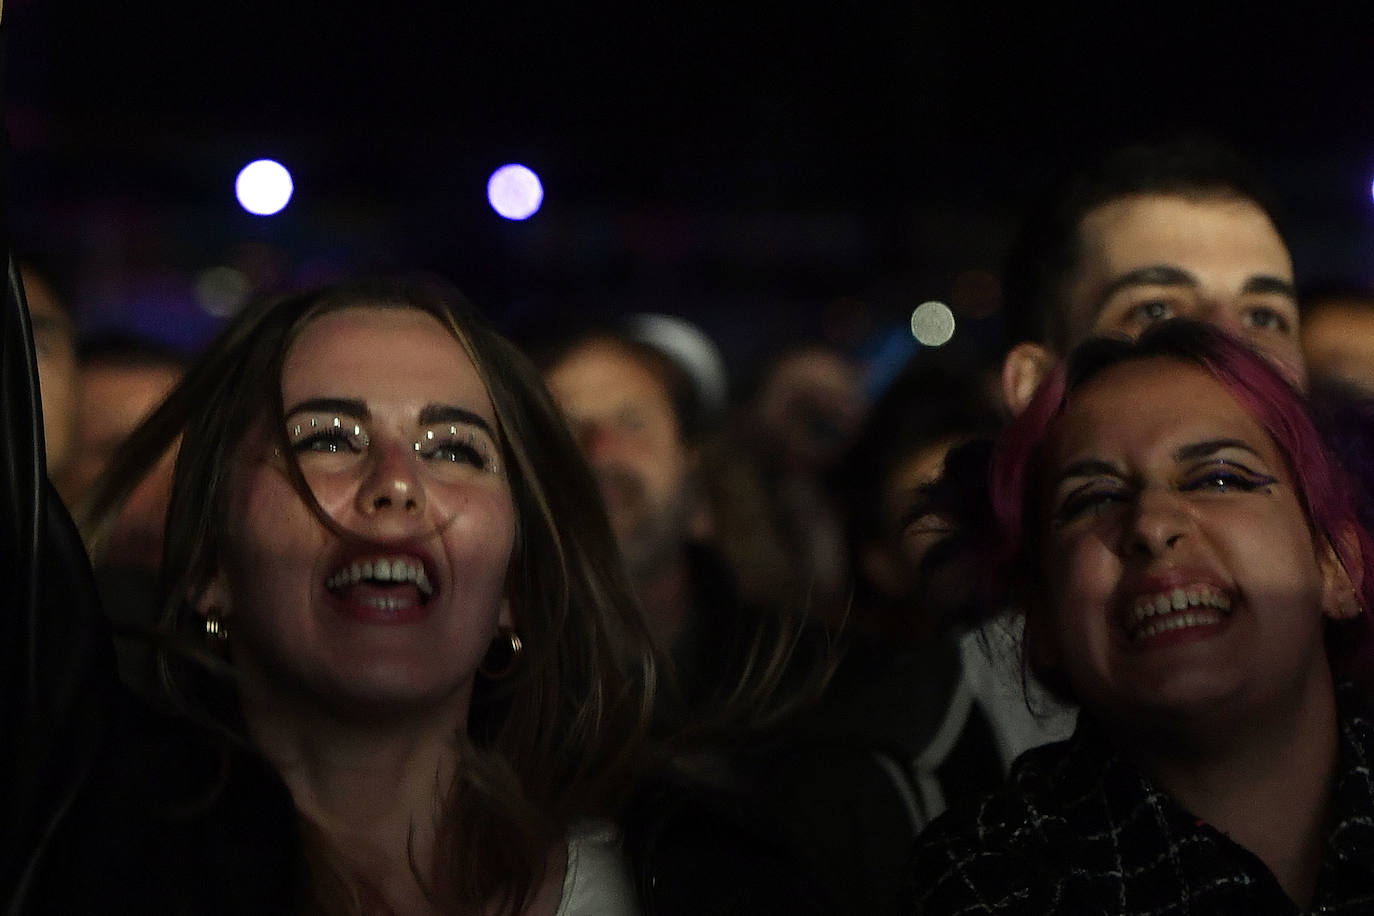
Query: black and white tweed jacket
(1079,830)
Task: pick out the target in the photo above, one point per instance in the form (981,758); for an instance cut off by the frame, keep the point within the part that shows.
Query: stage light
(932,324)
(515,192)
(264,187)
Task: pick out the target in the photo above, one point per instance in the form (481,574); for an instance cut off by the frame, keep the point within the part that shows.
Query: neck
(375,791)
(1264,781)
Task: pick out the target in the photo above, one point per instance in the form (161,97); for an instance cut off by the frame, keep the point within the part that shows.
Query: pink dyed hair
(1266,395)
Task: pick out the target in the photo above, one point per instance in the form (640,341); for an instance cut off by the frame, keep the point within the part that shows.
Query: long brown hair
(556,741)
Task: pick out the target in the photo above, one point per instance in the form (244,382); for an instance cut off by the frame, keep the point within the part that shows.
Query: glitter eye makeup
(451,447)
(328,434)
(448,449)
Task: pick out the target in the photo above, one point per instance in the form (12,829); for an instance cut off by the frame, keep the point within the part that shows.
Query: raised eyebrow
(447,413)
(1153,275)
(1206,449)
(1266,283)
(346,406)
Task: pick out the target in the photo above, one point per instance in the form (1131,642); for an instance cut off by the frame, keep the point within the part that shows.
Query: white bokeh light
(932,324)
(264,187)
(515,192)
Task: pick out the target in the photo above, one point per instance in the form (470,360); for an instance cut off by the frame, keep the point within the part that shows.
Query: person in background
(54,340)
(679,507)
(122,379)
(1338,335)
(804,410)
(1180,229)
(1194,576)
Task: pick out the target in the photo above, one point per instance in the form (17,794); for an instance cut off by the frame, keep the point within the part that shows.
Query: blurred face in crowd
(917,531)
(810,407)
(396,435)
(1147,258)
(1181,574)
(623,419)
(114,400)
(54,339)
(1338,340)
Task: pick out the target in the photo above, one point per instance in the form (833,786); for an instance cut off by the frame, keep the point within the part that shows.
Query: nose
(594,438)
(1158,524)
(392,483)
(1223,313)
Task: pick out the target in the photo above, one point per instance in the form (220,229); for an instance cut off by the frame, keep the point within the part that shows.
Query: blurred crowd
(840,660)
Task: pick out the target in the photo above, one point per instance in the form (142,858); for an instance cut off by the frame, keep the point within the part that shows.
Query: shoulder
(597,881)
(998,854)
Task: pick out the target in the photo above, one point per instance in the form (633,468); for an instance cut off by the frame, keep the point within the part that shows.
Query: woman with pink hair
(1193,575)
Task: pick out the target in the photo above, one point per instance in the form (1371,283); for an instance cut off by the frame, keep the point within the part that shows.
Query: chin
(394,690)
(1202,695)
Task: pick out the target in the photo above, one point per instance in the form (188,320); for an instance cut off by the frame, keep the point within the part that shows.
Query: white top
(992,672)
(597,882)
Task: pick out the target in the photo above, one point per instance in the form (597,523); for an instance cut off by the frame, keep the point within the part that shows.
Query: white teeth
(1177,622)
(395,569)
(1167,603)
(387,604)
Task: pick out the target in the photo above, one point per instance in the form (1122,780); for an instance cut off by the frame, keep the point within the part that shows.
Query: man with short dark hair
(1149,233)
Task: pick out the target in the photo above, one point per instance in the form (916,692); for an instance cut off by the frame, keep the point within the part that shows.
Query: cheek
(269,531)
(477,526)
(1081,576)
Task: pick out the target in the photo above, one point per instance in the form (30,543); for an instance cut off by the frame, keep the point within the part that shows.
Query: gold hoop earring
(511,652)
(216,627)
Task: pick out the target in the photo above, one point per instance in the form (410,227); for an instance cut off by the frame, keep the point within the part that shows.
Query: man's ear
(1022,371)
(1340,595)
(505,618)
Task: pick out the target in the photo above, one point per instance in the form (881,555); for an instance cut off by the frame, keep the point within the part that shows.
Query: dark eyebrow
(444,413)
(346,406)
(1211,446)
(1270,284)
(1154,275)
(1088,467)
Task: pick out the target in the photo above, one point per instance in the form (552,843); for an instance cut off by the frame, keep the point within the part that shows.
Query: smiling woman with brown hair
(405,598)
(1194,576)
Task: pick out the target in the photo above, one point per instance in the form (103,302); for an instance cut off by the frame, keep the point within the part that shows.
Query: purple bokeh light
(515,192)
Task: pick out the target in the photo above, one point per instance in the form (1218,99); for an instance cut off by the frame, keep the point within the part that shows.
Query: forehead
(378,353)
(601,373)
(1221,240)
(1140,412)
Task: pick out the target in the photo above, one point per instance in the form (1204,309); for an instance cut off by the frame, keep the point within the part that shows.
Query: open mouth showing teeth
(1195,605)
(383,571)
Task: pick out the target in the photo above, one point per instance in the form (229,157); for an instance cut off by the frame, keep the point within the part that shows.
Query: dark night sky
(692,154)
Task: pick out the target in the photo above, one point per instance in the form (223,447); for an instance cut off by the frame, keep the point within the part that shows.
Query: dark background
(769,170)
